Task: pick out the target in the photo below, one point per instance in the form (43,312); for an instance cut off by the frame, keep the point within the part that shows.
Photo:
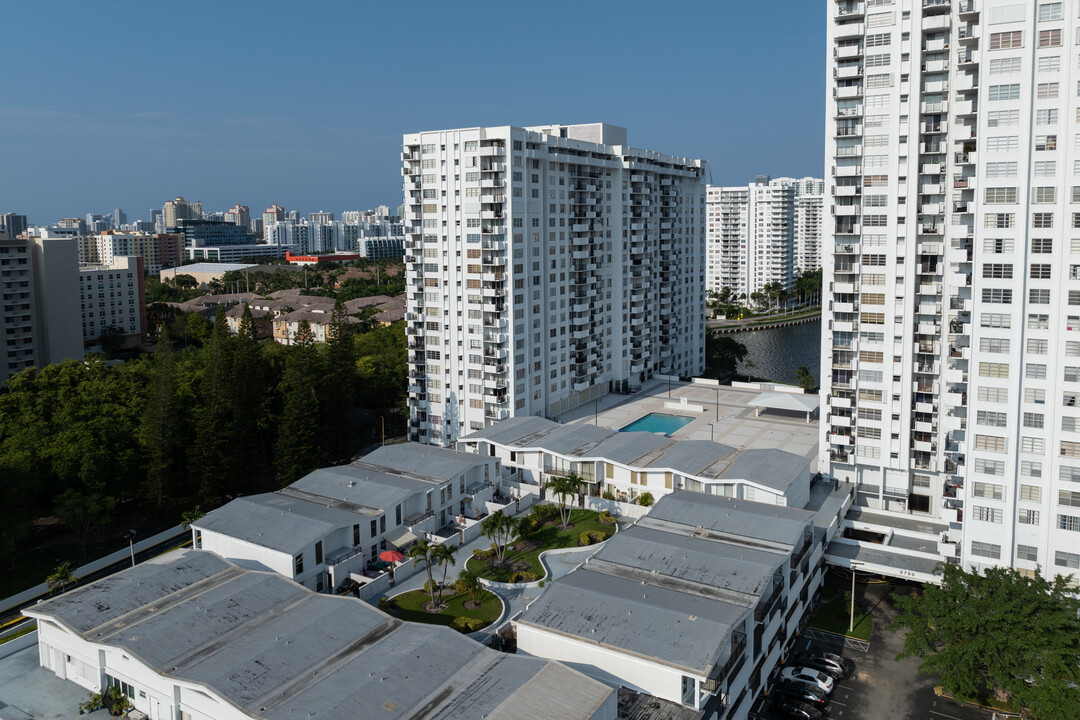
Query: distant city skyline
(248,115)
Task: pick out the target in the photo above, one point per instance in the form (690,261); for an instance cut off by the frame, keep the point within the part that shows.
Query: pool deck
(738,424)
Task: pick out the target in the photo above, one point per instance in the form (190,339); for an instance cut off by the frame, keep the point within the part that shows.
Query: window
(1069,498)
(1003,118)
(994,345)
(1050,38)
(1070,449)
(994,370)
(991,419)
(1037,346)
(1038,322)
(987,490)
(298,564)
(1046,117)
(1000,169)
(1006,40)
(995,320)
(1044,168)
(1049,11)
(1027,552)
(1050,63)
(997,296)
(1042,246)
(881,19)
(1010,91)
(999,271)
(1044,91)
(1042,219)
(997,246)
(991,443)
(987,514)
(989,467)
(987,550)
(1046,142)
(1033,420)
(1029,468)
(1068,522)
(1001,195)
(1067,559)
(1004,66)
(1027,516)
(1039,297)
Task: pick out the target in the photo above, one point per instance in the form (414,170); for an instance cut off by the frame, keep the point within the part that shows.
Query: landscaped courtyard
(410,606)
(834,615)
(523,554)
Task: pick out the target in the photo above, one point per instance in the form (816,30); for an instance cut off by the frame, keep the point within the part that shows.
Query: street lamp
(717,401)
(711,428)
(851,623)
(130,537)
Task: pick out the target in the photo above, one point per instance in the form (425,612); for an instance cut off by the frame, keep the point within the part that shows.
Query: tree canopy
(998,632)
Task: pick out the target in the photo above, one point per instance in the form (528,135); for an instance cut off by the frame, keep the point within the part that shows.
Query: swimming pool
(658,423)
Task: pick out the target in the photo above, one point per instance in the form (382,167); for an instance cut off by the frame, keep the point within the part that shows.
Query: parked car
(830,663)
(809,676)
(795,709)
(802,692)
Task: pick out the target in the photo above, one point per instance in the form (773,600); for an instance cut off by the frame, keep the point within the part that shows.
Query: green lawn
(834,616)
(550,537)
(409,606)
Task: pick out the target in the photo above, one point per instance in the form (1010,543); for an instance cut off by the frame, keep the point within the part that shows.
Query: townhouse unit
(694,604)
(335,520)
(631,463)
(191,636)
(947,365)
(546,266)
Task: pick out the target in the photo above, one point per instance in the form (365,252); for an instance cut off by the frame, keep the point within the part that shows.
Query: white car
(808,676)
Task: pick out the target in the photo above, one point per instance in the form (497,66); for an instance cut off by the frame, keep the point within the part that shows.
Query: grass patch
(550,537)
(410,606)
(834,616)
(30,627)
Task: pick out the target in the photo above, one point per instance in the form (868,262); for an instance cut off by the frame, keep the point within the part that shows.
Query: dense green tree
(61,577)
(212,460)
(161,431)
(382,366)
(297,445)
(499,527)
(338,389)
(805,378)
(85,512)
(246,329)
(1001,632)
(723,353)
(469,583)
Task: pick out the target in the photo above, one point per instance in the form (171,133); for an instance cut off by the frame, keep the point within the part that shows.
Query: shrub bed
(549,536)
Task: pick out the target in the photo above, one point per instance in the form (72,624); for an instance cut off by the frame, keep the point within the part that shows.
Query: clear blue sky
(129,104)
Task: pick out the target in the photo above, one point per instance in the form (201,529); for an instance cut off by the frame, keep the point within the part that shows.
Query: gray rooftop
(723,571)
(276,521)
(686,511)
(361,486)
(277,650)
(774,469)
(427,461)
(699,458)
(675,628)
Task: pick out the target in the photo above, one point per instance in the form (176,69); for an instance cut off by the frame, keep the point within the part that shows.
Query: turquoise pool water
(658,423)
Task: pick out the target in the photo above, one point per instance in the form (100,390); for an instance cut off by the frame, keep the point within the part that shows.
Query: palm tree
(498,526)
(191,516)
(469,582)
(63,576)
(565,487)
(421,552)
(443,555)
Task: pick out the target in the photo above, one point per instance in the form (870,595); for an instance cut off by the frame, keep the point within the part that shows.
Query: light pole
(130,537)
(717,401)
(711,428)
(851,623)
(596,412)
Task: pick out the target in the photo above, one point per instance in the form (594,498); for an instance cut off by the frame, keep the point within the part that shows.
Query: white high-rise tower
(546,266)
(950,374)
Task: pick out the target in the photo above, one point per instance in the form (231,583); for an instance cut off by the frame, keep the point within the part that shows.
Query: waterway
(776,352)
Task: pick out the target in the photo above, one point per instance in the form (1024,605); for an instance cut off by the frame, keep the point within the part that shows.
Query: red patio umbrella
(391,556)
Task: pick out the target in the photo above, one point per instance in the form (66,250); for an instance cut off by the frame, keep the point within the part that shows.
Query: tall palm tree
(191,516)
(63,576)
(443,555)
(498,526)
(565,487)
(469,582)
(421,552)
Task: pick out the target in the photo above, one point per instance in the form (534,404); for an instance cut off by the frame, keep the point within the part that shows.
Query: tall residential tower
(546,266)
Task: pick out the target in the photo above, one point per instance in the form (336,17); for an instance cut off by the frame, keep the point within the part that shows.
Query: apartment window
(987,514)
(1038,322)
(1004,66)
(1067,559)
(1002,143)
(997,296)
(1039,297)
(1000,221)
(997,246)
(1027,552)
(1042,246)
(1046,142)
(1030,468)
(1044,168)
(995,320)
(990,443)
(1045,91)
(994,370)
(994,345)
(1010,91)
(1006,40)
(878,39)
(1000,271)
(1037,346)
(1072,373)
(1068,522)
(1069,424)
(1042,220)
(1032,445)
(1050,11)
(989,467)
(1026,516)
(881,19)
(1000,169)
(1033,420)
(1070,449)
(987,550)
(1035,371)
(990,491)
(1050,38)
(1049,64)
(298,564)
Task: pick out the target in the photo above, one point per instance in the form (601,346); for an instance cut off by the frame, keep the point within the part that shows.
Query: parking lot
(879,687)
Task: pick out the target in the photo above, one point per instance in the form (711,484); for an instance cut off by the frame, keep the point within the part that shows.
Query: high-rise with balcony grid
(951,342)
(546,266)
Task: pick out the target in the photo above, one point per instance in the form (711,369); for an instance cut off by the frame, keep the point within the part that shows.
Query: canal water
(776,352)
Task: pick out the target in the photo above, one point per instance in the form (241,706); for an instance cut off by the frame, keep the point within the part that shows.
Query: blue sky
(129,104)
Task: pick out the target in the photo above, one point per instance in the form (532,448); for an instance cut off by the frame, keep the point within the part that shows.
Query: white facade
(111,296)
(546,266)
(765,232)
(946,350)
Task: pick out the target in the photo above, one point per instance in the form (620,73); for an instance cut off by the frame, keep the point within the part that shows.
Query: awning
(400,537)
(786,401)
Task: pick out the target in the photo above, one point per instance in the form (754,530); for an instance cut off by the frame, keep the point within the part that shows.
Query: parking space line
(953,717)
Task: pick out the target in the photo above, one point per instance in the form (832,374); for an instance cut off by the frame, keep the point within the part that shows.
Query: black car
(795,709)
(802,692)
(831,663)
